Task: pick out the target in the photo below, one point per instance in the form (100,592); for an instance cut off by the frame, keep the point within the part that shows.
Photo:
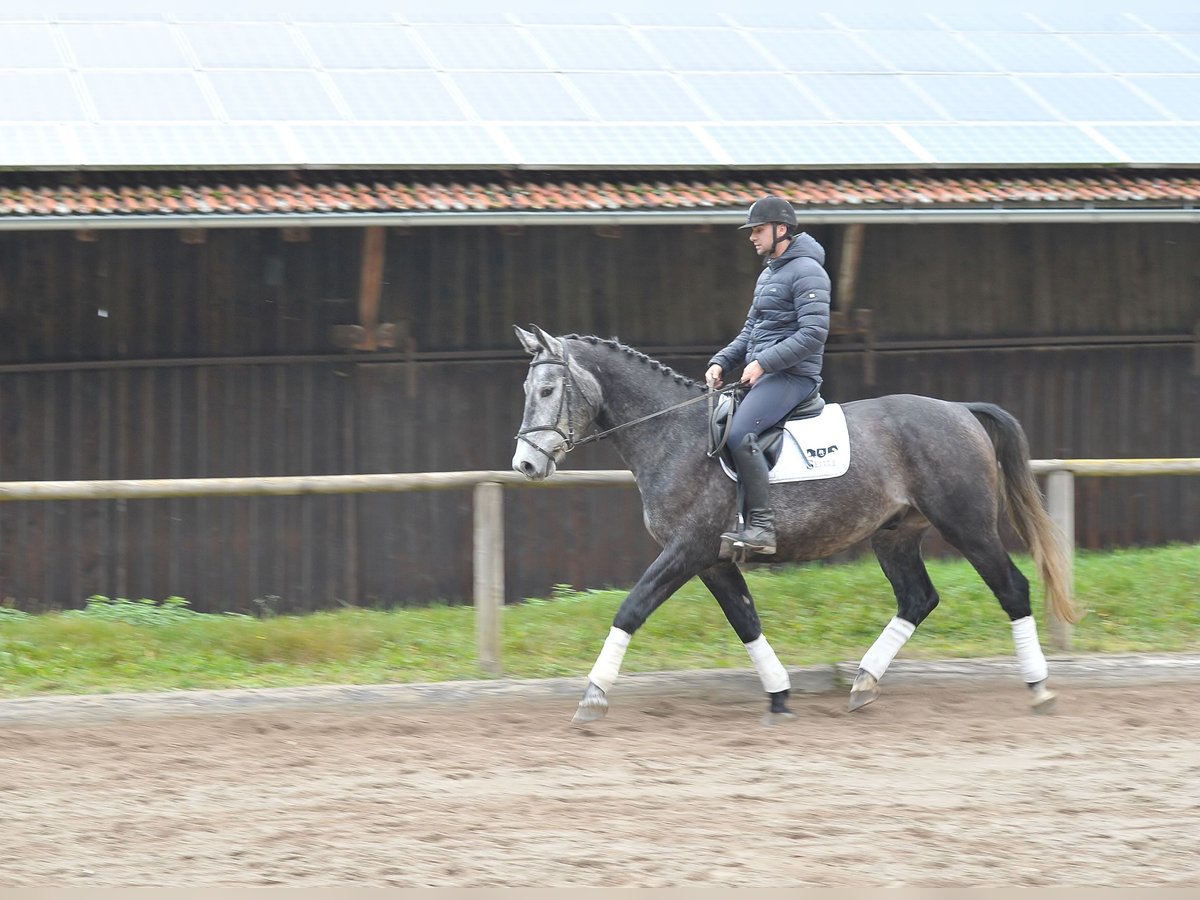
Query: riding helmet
(770,209)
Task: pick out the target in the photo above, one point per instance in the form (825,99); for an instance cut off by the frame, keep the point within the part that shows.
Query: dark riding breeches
(773,397)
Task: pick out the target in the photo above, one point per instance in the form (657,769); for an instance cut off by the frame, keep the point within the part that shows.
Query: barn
(240,241)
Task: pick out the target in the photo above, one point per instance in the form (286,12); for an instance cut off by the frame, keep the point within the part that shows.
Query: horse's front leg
(726,583)
(666,575)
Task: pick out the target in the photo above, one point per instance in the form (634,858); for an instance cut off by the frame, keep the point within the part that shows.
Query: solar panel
(400,96)
(1170,16)
(29,45)
(37,96)
(1033,52)
(137,96)
(823,51)
(785,144)
(124,45)
(466,12)
(1086,17)
(624,83)
(880,17)
(25,11)
(1135,53)
(643,96)
(674,15)
(474,47)
(228,11)
(399,145)
(925,51)
(244,45)
(609,145)
(183,144)
(706,49)
(1007,143)
(364,46)
(35,146)
(734,98)
(267,94)
(518,96)
(566,14)
(1092,98)
(965,17)
(593,48)
(1164,145)
(1189,43)
(870,98)
(1179,94)
(975,98)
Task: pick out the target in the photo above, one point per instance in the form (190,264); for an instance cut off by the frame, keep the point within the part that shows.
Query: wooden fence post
(489,573)
(1060,498)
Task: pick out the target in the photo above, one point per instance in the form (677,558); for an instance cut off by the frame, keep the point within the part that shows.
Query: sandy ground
(935,785)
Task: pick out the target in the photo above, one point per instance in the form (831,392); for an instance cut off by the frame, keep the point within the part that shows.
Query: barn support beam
(369,334)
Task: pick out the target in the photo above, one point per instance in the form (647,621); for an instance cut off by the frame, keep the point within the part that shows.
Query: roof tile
(141,197)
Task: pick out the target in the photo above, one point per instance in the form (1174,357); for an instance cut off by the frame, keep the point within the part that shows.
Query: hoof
(1044,699)
(864,691)
(593,706)
(777,718)
(778,712)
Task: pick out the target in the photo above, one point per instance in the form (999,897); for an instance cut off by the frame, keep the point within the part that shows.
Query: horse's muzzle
(532,467)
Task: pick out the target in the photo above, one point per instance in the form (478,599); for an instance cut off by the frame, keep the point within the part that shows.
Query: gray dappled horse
(916,463)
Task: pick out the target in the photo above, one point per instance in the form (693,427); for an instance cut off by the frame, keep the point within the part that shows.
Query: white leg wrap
(886,646)
(1029,650)
(608,664)
(770,670)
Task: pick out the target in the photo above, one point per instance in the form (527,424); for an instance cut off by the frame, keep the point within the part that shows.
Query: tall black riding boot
(758,533)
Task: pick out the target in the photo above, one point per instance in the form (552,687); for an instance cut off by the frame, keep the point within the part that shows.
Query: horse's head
(562,400)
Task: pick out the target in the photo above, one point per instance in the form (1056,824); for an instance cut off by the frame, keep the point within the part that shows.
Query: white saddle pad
(822,440)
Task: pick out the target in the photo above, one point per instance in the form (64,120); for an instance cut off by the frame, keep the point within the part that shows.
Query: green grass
(1137,600)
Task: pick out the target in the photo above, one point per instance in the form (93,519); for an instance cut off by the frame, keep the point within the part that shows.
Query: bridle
(569,442)
(568,382)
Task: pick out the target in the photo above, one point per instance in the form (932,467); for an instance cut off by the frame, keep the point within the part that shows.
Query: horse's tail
(1027,509)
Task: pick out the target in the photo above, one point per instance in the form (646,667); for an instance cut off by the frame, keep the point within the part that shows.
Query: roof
(214,200)
(630,84)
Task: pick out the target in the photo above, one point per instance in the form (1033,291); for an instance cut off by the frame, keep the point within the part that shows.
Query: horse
(916,463)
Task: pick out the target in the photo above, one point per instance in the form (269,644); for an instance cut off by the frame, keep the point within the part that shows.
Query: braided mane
(614,344)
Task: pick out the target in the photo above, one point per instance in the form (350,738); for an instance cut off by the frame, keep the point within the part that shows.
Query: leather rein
(569,441)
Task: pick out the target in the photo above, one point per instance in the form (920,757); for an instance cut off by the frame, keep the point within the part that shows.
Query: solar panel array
(431,84)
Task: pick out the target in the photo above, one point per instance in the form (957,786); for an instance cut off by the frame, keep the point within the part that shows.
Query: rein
(568,437)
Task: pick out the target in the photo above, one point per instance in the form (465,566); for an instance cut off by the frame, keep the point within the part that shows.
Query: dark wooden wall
(140,355)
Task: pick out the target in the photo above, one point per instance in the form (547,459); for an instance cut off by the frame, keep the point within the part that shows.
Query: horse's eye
(547,391)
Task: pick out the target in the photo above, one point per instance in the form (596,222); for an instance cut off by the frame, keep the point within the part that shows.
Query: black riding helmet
(772,209)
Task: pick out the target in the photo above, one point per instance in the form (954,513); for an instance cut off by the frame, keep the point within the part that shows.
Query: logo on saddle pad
(809,449)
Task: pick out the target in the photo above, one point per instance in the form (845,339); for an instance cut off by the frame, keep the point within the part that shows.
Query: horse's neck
(632,393)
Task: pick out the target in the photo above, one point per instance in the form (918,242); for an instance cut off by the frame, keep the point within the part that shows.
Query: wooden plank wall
(112,367)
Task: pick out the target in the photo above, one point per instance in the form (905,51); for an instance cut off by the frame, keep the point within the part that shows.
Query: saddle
(771,440)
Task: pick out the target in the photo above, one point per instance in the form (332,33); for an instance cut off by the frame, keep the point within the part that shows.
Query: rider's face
(763,238)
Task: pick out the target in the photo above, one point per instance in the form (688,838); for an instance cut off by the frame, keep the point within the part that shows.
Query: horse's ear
(528,340)
(552,344)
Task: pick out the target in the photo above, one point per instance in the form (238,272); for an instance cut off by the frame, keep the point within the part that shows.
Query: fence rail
(489,508)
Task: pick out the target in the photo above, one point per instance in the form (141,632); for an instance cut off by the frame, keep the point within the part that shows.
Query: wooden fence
(489,509)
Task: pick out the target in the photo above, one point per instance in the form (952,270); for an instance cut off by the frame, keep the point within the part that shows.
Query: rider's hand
(713,377)
(752,373)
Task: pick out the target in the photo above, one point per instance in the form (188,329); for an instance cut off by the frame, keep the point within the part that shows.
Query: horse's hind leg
(898,550)
(729,587)
(987,554)
(980,543)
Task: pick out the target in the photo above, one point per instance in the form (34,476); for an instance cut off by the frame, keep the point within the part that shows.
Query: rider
(782,345)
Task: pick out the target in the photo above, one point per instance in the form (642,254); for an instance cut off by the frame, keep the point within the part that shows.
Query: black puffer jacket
(789,315)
